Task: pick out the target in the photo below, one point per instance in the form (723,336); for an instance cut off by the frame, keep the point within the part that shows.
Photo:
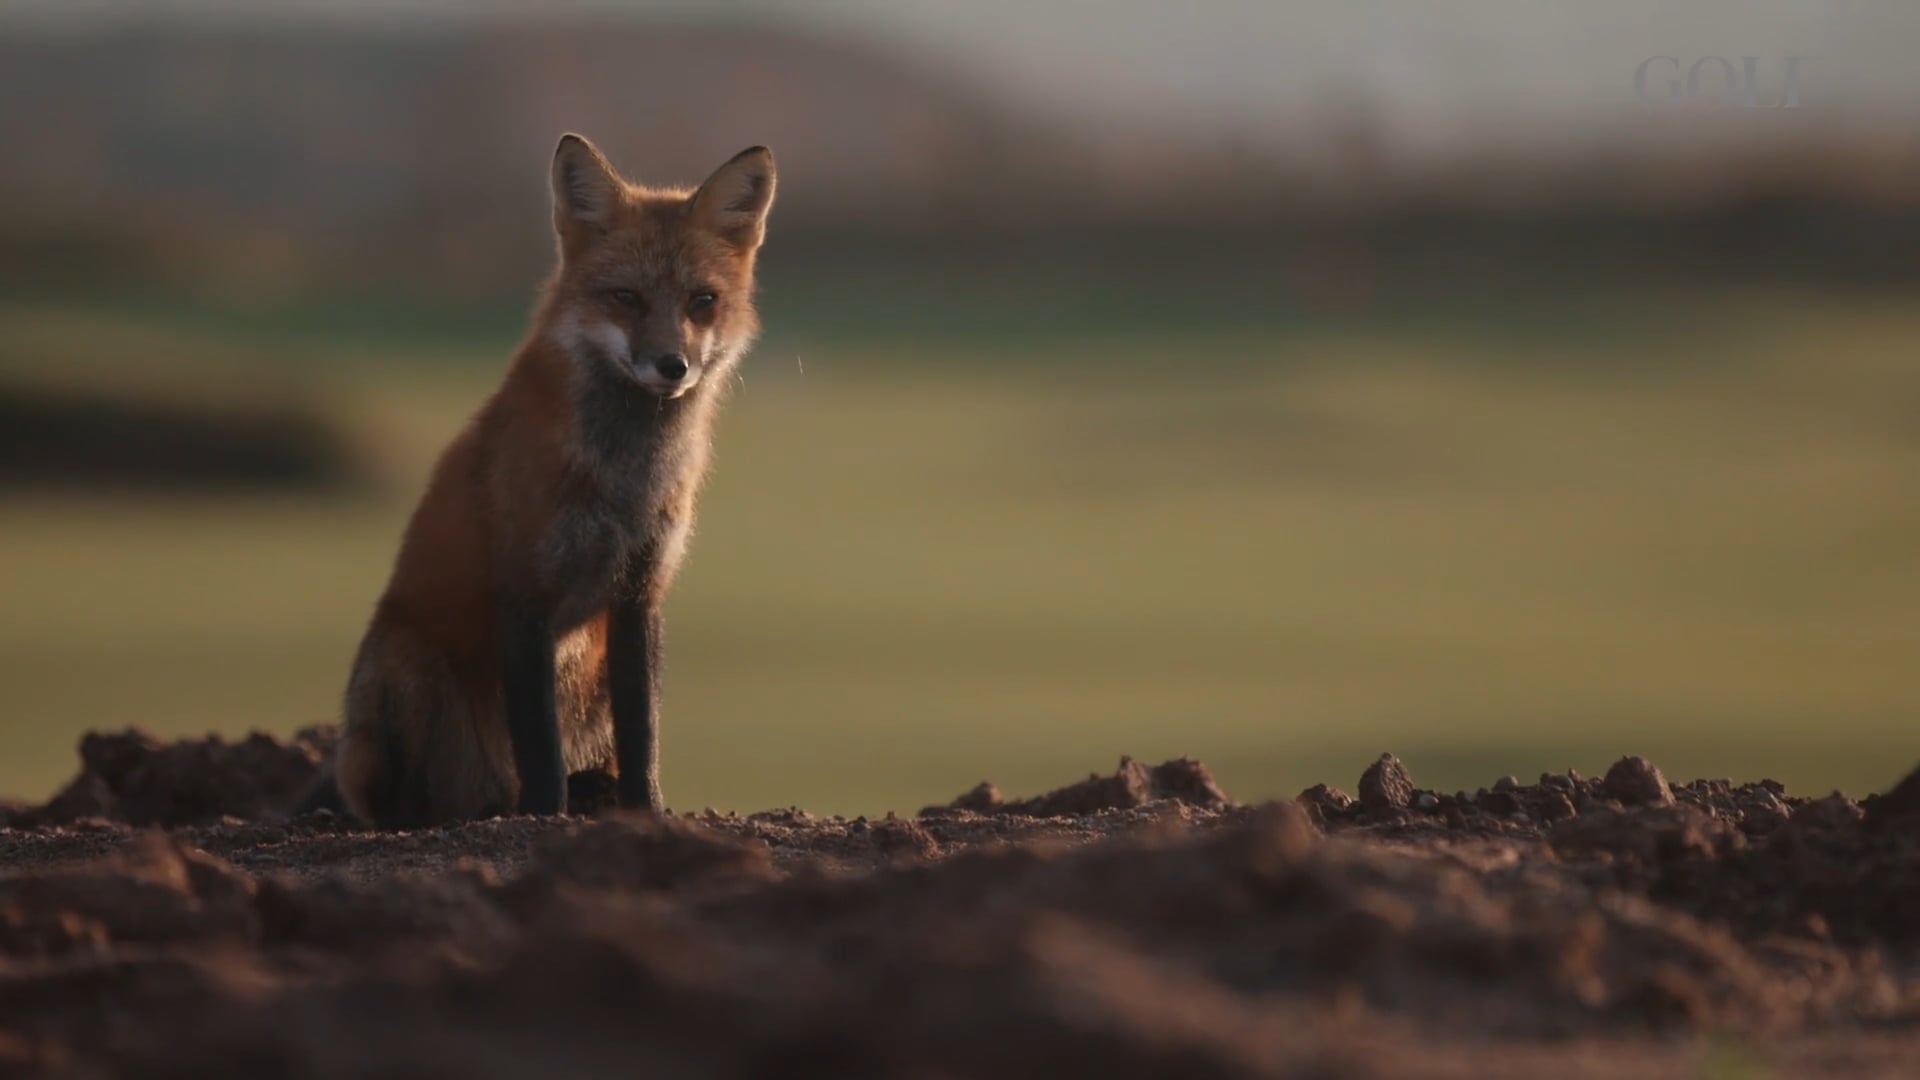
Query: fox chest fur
(625,508)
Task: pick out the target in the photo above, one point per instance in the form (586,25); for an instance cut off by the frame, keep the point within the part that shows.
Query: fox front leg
(633,683)
(533,725)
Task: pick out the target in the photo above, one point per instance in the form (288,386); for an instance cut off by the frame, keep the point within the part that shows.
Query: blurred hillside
(262,159)
(322,150)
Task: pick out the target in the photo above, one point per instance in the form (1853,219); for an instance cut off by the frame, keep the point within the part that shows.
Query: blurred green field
(1510,540)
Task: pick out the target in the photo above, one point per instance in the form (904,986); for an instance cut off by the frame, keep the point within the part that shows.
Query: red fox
(519,638)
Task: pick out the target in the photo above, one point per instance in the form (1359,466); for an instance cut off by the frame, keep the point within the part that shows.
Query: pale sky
(1433,71)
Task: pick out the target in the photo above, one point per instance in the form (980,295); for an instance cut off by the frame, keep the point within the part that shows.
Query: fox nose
(672,367)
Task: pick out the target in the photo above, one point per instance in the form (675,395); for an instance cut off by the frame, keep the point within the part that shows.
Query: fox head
(656,284)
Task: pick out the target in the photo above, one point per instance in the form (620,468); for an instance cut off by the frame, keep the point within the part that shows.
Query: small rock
(1385,785)
(1760,811)
(1499,802)
(1507,783)
(1636,782)
(1325,796)
(1426,800)
(1761,819)
(981,799)
(1556,807)
(1323,803)
(902,839)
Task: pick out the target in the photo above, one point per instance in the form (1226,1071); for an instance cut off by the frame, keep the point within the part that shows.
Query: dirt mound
(1146,926)
(134,778)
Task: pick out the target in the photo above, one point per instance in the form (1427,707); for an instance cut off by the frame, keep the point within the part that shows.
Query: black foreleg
(527,677)
(633,681)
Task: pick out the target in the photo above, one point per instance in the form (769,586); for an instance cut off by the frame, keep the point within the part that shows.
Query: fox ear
(585,187)
(734,201)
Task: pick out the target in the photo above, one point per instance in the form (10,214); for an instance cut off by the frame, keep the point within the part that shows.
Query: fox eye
(627,297)
(702,302)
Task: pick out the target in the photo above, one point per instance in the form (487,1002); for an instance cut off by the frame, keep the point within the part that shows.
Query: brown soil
(158,919)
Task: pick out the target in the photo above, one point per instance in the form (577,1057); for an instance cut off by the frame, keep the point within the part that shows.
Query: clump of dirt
(132,777)
(1385,785)
(1132,785)
(1637,782)
(1136,925)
